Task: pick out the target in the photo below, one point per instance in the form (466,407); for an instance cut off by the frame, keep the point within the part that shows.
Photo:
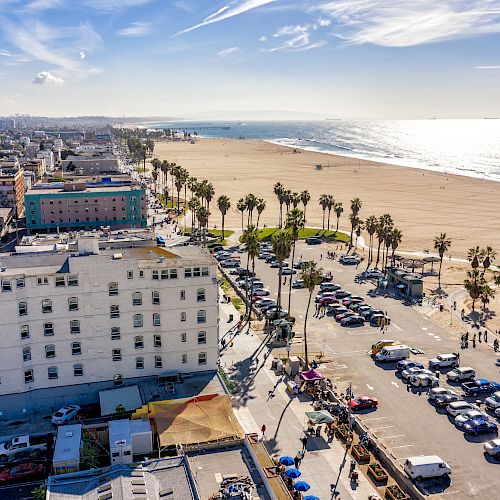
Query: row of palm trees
(476,283)
(327,202)
(290,199)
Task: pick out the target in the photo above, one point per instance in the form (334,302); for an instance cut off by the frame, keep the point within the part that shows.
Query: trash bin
(231,318)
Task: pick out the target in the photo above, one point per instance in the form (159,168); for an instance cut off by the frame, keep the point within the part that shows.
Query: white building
(48,156)
(75,321)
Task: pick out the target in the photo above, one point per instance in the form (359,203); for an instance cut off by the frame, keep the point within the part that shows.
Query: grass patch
(267,234)
(217,232)
(169,204)
(141,170)
(237,302)
(227,381)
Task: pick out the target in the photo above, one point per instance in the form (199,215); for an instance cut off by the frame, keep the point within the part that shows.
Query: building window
(201,316)
(157,340)
(164,274)
(50,351)
(115,333)
(156,319)
(42,280)
(76,348)
(138,321)
(130,275)
(141,274)
(20,282)
(139,363)
(60,281)
(183,337)
(172,274)
(156,275)
(138,342)
(183,316)
(137,299)
(48,329)
(117,354)
(78,370)
(184,358)
(114,311)
(23,308)
(73,304)
(6,286)
(182,294)
(26,353)
(196,272)
(24,330)
(188,272)
(202,358)
(204,271)
(155,297)
(46,306)
(112,289)
(74,326)
(202,337)
(52,372)
(28,376)
(200,295)
(158,362)
(73,280)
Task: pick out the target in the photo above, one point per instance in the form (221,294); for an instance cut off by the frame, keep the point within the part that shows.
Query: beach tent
(311,375)
(319,417)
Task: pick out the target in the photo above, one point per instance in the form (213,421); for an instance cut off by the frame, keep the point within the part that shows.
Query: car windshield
(59,414)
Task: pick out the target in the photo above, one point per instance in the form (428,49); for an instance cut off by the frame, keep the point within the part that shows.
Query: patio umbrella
(431,260)
(293,473)
(286,460)
(301,486)
(311,497)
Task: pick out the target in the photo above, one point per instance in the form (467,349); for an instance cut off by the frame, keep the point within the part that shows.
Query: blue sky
(340,58)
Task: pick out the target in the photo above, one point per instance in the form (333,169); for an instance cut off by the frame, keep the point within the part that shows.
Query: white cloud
(112,5)
(82,55)
(399,23)
(263,38)
(299,38)
(47,78)
(487,67)
(324,22)
(136,29)
(226,52)
(232,9)
(43,4)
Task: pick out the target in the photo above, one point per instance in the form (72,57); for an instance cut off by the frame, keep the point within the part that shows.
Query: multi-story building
(85,205)
(91,164)
(77,321)
(36,165)
(12,187)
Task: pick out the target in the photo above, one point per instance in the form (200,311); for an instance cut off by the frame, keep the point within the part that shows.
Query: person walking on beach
(485,336)
(263,430)
(299,457)
(303,440)
(474,342)
(479,336)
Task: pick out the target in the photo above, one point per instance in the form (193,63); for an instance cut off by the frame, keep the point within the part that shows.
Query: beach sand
(422,203)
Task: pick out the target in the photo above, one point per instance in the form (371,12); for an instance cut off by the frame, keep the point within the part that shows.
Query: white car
(65,414)
(458,407)
(409,372)
(444,361)
(373,273)
(424,380)
(493,402)
(468,416)
(437,392)
(493,448)
(261,292)
(461,373)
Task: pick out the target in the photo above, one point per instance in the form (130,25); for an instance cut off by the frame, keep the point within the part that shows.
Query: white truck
(393,353)
(426,467)
(26,442)
(451,360)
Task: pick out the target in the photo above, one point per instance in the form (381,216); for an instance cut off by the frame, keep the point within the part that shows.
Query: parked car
(480,386)
(352,300)
(444,361)
(313,240)
(263,255)
(409,372)
(405,364)
(325,301)
(424,380)
(286,271)
(476,427)
(469,416)
(65,414)
(353,320)
(363,402)
(261,292)
(461,373)
(322,295)
(326,277)
(274,264)
(459,407)
(329,287)
(340,312)
(298,284)
(493,402)
(492,448)
(437,392)
(376,318)
(23,471)
(426,467)
(349,260)
(229,263)
(392,353)
(25,442)
(271,258)
(444,400)
(378,346)
(265,304)
(373,273)
(272,312)
(357,307)
(341,294)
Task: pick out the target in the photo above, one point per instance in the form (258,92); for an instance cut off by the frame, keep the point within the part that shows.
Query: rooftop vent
(117,256)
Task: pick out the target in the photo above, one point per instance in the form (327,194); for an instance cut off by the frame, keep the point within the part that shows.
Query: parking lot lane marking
(431,334)
(385,427)
(372,418)
(300,316)
(450,493)
(369,387)
(398,328)
(424,328)
(393,437)
(402,446)
(394,384)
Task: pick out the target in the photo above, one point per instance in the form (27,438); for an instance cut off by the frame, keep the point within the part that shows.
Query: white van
(393,353)
(426,467)
(349,259)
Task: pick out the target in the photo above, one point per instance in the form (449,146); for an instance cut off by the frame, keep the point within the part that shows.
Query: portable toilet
(120,442)
(67,449)
(142,436)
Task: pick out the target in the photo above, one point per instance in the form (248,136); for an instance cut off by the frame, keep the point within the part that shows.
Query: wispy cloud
(232,9)
(43,5)
(112,5)
(299,38)
(488,67)
(228,51)
(399,23)
(136,29)
(47,78)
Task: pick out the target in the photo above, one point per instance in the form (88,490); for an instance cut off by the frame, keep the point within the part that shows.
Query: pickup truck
(26,442)
(480,386)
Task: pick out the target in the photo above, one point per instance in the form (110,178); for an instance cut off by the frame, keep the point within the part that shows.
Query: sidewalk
(282,414)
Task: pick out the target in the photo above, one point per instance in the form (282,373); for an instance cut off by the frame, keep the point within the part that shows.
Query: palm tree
(295,199)
(251,202)
(278,191)
(294,223)
(250,238)
(331,204)
(209,194)
(384,224)
(487,293)
(224,204)
(305,198)
(396,238)
(475,284)
(154,175)
(193,205)
(241,206)
(371,227)
(202,214)
(355,208)
(192,183)
(287,198)
(311,277)
(260,206)
(281,248)
(359,227)
(442,244)
(323,201)
(488,256)
(473,256)
(338,209)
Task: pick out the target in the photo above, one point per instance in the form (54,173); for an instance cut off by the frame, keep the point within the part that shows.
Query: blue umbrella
(286,460)
(301,486)
(293,473)
(311,497)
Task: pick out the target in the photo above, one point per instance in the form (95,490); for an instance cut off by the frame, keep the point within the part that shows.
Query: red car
(325,301)
(22,471)
(256,298)
(362,402)
(341,315)
(349,301)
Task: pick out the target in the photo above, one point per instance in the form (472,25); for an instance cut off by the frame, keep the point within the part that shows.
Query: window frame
(155,297)
(139,363)
(29,374)
(72,279)
(137,298)
(202,355)
(139,342)
(48,331)
(114,311)
(76,348)
(50,351)
(113,289)
(116,354)
(26,353)
(7,288)
(158,361)
(138,320)
(201,316)
(47,306)
(74,325)
(72,303)
(156,319)
(24,332)
(115,333)
(79,367)
(60,280)
(157,340)
(201,295)
(22,308)
(202,337)
(52,373)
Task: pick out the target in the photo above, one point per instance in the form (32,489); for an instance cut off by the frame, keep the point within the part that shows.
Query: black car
(444,400)
(352,321)
(314,240)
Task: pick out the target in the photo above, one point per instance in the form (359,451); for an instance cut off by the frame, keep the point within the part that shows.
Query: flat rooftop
(58,189)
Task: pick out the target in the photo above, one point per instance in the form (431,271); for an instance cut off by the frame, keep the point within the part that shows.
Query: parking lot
(405,423)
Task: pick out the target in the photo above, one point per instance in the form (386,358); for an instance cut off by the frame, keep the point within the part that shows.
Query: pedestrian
(486,336)
(467,336)
(296,461)
(321,257)
(303,440)
(352,467)
(300,456)
(495,345)
(479,336)
(474,342)
(263,430)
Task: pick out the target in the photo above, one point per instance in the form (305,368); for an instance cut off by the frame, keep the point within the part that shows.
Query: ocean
(465,147)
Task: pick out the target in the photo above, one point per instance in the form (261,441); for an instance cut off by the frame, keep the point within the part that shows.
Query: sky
(238,58)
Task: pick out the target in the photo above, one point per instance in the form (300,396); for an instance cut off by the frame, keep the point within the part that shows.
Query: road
(405,423)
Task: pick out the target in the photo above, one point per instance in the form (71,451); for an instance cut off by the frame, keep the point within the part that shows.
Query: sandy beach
(422,203)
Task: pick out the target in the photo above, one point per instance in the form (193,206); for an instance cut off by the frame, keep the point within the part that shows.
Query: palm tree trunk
(281,215)
(323,219)
(222,226)
(241,221)
(278,300)
(439,275)
(378,253)
(291,275)
(329,212)
(337,228)
(305,331)
(258,219)
(248,289)
(305,214)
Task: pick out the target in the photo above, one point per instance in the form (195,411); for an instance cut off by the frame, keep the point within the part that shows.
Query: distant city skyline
(232,59)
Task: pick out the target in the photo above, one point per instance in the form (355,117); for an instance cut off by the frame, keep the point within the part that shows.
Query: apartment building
(78,321)
(12,187)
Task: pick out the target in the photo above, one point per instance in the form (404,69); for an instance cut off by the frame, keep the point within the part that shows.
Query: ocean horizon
(469,147)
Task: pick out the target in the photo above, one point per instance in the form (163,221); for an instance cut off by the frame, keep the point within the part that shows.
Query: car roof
(457,404)
(424,459)
(464,368)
